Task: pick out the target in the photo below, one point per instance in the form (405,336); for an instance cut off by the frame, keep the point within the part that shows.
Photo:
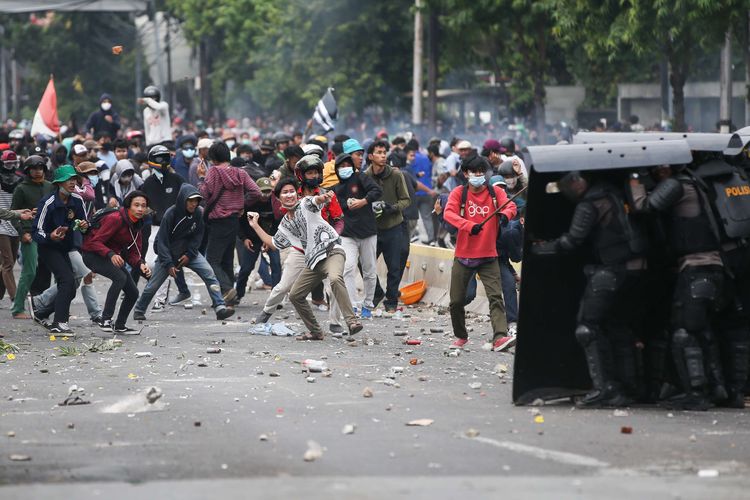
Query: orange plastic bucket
(413,293)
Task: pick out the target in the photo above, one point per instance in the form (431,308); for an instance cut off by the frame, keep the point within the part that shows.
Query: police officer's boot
(688,360)
(598,358)
(717,386)
(656,359)
(626,362)
(738,365)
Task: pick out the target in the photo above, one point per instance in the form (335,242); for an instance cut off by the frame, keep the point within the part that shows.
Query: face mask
(126,180)
(106,106)
(312,183)
(188,153)
(94,179)
(477,181)
(105,174)
(158,174)
(245,141)
(346,172)
(63,191)
(230,144)
(511,182)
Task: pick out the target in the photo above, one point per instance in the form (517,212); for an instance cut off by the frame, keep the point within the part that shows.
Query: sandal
(355,327)
(21,316)
(310,336)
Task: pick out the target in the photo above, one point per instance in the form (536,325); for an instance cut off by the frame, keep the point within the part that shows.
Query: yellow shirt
(329,175)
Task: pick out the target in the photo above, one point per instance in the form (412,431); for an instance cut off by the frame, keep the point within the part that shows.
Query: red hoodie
(227,190)
(116,235)
(478,207)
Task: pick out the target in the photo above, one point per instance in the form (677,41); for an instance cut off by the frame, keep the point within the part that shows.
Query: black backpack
(96,219)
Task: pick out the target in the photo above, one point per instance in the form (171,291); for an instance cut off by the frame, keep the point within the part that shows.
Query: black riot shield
(549,363)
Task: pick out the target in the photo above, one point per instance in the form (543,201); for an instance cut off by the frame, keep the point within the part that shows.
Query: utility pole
(416,104)
(3,81)
(747,69)
(725,96)
(170,94)
(433,28)
(157,46)
(14,86)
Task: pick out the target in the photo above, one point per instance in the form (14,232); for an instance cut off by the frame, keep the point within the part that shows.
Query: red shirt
(478,207)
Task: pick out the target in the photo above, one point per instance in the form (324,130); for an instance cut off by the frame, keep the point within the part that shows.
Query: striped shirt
(6,228)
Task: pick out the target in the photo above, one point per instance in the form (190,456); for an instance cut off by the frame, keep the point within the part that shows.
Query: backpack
(95,221)
(464,196)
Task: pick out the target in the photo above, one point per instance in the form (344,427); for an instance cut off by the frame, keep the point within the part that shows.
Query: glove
(476,228)
(389,209)
(544,248)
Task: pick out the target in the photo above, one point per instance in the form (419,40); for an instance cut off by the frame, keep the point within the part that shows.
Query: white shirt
(156,124)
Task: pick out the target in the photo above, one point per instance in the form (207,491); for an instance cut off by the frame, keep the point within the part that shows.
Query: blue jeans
(508,282)
(160,272)
(270,271)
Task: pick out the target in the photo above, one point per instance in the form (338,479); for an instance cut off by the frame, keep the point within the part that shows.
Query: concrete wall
(701,104)
(563,102)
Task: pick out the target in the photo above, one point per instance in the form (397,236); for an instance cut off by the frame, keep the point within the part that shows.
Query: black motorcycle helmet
(159,157)
(34,161)
(507,146)
(152,92)
(309,162)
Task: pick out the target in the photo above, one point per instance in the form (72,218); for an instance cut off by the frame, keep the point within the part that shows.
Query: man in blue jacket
(177,242)
(104,119)
(59,217)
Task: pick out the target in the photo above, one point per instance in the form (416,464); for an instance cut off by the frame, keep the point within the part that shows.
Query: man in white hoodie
(156,123)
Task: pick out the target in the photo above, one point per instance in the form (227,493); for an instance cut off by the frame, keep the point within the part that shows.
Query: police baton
(498,209)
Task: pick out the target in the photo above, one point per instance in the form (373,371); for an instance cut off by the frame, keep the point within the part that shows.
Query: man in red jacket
(118,239)
(475,245)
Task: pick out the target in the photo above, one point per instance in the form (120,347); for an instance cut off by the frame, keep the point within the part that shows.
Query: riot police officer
(606,314)
(692,235)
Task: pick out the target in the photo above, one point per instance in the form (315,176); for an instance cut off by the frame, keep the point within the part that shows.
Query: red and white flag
(45,119)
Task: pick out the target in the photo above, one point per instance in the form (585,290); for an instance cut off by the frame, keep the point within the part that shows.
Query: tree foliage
(76,48)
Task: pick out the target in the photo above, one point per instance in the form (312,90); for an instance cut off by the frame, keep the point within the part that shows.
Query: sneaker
(459,343)
(181,297)
(262,318)
(504,343)
(390,309)
(60,328)
(126,330)
(414,239)
(336,328)
(96,319)
(105,325)
(512,329)
(224,313)
(45,322)
(366,313)
(230,295)
(139,316)
(158,306)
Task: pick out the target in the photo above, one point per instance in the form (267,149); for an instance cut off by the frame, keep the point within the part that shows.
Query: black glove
(503,220)
(476,228)
(389,209)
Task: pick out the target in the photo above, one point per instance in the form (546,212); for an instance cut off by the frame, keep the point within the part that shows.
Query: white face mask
(230,144)
(106,106)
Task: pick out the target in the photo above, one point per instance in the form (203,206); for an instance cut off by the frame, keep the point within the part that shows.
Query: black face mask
(107,146)
(312,183)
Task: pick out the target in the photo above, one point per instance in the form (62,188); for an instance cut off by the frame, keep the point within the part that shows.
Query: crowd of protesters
(311,212)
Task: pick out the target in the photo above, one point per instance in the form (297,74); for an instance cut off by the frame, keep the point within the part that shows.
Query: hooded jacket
(117,235)
(227,190)
(180,232)
(395,193)
(180,164)
(27,195)
(52,213)
(119,191)
(359,223)
(99,123)
(162,194)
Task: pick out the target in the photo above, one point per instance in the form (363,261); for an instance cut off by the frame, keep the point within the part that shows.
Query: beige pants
(332,267)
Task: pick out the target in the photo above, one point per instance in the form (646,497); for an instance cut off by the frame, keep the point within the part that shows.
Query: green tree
(75,47)
(677,29)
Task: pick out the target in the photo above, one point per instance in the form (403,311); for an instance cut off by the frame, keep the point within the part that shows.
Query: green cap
(264,183)
(64,173)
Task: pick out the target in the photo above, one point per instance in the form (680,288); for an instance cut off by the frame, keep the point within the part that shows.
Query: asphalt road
(239,423)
